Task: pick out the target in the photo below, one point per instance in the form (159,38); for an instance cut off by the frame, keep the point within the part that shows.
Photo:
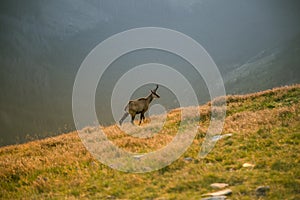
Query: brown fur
(139,106)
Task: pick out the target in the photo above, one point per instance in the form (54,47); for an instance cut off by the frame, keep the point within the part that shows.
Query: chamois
(139,106)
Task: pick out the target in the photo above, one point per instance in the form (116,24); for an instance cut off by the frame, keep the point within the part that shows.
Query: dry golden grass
(36,155)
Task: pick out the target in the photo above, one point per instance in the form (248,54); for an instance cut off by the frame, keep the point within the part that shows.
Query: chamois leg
(132,119)
(142,118)
(123,118)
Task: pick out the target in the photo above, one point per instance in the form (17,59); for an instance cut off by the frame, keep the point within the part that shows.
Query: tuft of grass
(265,132)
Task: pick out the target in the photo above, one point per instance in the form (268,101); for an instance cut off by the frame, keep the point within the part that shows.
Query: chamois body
(139,106)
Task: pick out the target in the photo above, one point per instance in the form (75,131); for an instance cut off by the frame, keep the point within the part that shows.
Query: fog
(43,44)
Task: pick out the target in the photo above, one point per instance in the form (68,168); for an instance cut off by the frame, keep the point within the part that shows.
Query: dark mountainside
(254,44)
(279,65)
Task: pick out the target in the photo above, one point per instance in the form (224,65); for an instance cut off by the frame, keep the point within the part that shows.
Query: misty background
(255,44)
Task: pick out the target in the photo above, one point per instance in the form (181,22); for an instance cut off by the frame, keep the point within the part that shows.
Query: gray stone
(215,198)
(219,193)
(248,165)
(188,159)
(262,190)
(138,157)
(218,185)
(218,137)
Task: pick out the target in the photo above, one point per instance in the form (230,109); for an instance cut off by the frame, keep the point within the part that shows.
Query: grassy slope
(266,132)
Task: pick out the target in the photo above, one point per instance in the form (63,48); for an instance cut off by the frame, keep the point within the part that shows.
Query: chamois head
(154,94)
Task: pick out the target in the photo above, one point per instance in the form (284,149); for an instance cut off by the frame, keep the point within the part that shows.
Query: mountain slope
(265,132)
(273,67)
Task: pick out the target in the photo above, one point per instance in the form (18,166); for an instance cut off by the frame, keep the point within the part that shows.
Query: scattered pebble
(218,137)
(227,135)
(215,198)
(262,190)
(188,159)
(219,193)
(248,165)
(110,197)
(138,157)
(218,185)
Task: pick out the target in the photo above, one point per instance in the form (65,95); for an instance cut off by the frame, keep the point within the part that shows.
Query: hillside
(271,67)
(265,130)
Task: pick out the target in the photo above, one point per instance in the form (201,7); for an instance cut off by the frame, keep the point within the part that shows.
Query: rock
(227,135)
(188,159)
(215,198)
(110,197)
(248,165)
(219,193)
(218,137)
(138,157)
(262,190)
(218,185)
